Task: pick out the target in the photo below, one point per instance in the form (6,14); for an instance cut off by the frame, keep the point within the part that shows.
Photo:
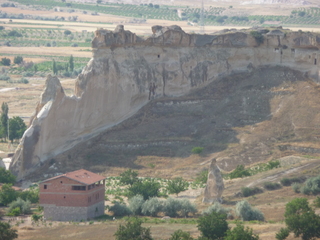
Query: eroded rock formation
(126,72)
(215,186)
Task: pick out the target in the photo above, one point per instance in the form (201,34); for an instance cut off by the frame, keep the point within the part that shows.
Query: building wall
(59,192)
(68,213)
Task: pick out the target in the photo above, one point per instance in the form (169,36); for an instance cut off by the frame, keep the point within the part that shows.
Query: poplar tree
(4,120)
(71,64)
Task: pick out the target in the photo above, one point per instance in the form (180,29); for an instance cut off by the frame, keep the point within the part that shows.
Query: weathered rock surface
(215,185)
(126,72)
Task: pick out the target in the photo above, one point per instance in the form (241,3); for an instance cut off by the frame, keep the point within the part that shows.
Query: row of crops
(30,37)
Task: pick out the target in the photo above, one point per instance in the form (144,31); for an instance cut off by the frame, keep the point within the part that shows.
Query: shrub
(18,59)
(14,212)
(239,172)
(27,74)
(6,232)
(7,194)
(1,28)
(216,207)
(6,176)
(258,36)
(289,181)
(135,204)
(31,195)
(296,187)
(241,233)
(152,207)
(213,225)
(247,213)
(67,74)
(24,206)
(187,207)
(133,230)
(316,202)
(273,164)
(172,206)
(120,210)
(4,77)
(5,61)
(23,80)
(67,32)
(247,191)
(282,234)
(14,33)
(197,150)
(180,235)
(271,186)
(311,186)
(74,45)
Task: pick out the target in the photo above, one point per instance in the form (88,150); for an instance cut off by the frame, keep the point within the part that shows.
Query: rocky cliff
(127,72)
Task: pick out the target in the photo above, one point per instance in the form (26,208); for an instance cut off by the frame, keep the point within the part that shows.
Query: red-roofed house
(73,196)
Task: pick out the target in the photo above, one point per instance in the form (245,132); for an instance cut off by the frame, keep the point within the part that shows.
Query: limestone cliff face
(126,72)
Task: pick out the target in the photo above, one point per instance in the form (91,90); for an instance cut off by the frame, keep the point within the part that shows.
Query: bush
(197,150)
(6,233)
(18,59)
(273,164)
(23,80)
(187,207)
(5,61)
(133,230)
(129,177)
(213,225)
(152,207)
(311,186)
(246,191)
(67,74)
(74,45)
(67,32)
(239,172)
(7,194)
(14,33)
(241,233)
(14,212)
(296,187)
(1,28)
(216,207)
(180,235)
(6,176)
(282,234)
(247,213)
(28,74)
(316,202)
(23,206)
(172,206)
(135,204)
(4,77)
(120,210)
(289,181)
(258,36)
(271,186)
(31,195)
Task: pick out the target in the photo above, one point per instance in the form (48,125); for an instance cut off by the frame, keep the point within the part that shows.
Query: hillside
(245,118)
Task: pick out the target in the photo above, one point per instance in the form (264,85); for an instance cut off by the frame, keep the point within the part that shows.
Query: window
(315,61)
(159,56)
(79,188)
(60,181)
(45,186)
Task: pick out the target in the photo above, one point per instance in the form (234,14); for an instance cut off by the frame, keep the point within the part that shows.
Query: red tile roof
(82,176)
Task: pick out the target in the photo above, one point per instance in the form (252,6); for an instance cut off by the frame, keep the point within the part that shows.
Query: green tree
(6,176)
(282,234)
(213,226)
(16,128)
(133,230)
(177,185)
(35,68)
(18,59)
(54,67)
(5,61)
(197,150)
(241,233)
(67,32)
(71,63)
(129,177)
(4,119)
(6,232)
(146,188)
(7,194)
(239,172)
(301,219)
(180,235)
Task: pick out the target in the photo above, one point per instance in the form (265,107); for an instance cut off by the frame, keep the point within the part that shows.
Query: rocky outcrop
(215,186)
(126,72)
